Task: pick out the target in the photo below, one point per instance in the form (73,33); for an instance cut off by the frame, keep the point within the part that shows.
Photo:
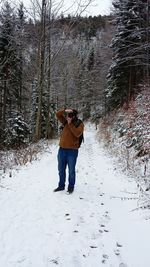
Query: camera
(69,114)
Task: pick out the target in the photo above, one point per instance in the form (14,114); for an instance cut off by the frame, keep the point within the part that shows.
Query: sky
(98,7)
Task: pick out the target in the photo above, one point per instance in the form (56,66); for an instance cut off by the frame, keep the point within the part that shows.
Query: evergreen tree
(128,45)
(11,69)
(45,66)
(16,132)
(20,24)
(9,60)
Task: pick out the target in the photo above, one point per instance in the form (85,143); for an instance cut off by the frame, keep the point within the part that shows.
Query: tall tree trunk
(40,84)
(147,33)
(48,126)
(4,105)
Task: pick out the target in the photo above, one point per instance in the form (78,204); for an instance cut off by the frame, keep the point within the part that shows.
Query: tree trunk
(40,84)
(48,126)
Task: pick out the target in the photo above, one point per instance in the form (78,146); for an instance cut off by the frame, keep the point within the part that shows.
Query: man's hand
(69,120)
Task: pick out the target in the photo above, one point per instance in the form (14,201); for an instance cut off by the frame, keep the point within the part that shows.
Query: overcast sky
(98,7)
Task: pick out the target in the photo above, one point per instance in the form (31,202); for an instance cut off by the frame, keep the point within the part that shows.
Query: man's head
(70,113)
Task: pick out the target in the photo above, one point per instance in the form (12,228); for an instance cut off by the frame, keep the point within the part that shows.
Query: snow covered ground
(98,225)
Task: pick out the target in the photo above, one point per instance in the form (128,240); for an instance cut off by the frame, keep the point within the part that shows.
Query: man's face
(69,114)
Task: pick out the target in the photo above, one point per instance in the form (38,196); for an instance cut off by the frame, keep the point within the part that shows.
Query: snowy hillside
(126,132)
(98,225)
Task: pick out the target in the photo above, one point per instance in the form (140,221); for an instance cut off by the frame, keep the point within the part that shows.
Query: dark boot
(58,189)
(70,190)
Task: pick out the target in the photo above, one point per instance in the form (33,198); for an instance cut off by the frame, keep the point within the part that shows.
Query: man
(69,145)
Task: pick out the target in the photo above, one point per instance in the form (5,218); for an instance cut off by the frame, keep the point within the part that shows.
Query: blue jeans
(67,157)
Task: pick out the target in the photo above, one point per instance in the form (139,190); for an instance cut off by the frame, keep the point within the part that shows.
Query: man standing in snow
(69,144)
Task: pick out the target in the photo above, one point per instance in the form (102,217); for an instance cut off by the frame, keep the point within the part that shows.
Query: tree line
(46,63)
(131,51)
(94,64)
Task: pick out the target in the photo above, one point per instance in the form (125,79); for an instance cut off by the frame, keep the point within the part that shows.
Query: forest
(47,64)
(96,64)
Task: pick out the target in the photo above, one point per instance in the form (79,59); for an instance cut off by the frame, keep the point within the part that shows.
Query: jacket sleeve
(77,131)
(60,117)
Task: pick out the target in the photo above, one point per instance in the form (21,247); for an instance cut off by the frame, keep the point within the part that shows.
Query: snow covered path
(95,226)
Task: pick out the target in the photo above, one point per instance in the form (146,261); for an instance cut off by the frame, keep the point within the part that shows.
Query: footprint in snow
(81,219)
(105,230)
(68,219)
(54,261)
(118,245)
(76,231)
(117,252)
(122,265)
(105,257)
(106,215)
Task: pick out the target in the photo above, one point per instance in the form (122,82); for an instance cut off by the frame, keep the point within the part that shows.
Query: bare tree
(46,57)
(41,61)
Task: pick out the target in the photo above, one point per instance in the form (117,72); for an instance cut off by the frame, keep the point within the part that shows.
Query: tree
(46,59)
(9,64)
(50,65)
(16,132)
(40,83)
(11,67)
(130,46)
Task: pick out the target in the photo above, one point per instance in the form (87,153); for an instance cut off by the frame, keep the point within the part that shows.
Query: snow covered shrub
(16,132)
(128,130)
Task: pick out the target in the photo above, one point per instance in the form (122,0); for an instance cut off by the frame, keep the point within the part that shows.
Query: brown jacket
(69,137)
